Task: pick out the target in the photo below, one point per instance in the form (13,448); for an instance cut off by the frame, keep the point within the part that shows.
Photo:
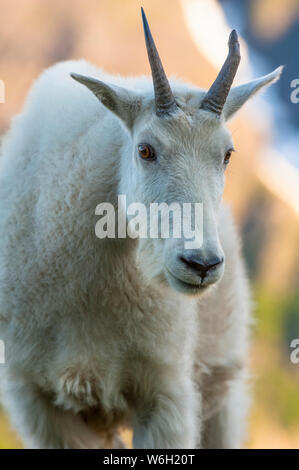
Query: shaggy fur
(98,333)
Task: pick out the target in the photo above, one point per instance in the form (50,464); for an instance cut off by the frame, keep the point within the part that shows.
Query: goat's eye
(227,156)
(146,152)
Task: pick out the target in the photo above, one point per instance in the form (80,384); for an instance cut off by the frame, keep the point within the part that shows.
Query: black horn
(217,94)
(164,99)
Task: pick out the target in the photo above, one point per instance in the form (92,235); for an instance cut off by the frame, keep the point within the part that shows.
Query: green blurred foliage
(277,383)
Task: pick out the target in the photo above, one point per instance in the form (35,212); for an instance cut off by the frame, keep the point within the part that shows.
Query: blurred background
(263,179)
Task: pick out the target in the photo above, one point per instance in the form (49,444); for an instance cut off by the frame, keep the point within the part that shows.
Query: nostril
(194,264)
(214,262)
(200,266)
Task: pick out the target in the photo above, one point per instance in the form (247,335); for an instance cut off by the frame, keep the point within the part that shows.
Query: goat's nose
(200,266)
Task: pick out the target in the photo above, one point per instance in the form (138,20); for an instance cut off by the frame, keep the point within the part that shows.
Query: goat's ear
(122,102)
(240,94)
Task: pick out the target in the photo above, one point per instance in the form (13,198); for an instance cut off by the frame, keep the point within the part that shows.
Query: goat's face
(177,160)
(179,151)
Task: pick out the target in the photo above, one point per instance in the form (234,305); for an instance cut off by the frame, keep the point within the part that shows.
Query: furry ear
(240,94)
(122,102)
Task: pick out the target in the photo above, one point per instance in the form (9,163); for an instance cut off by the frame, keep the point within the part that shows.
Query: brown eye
(146,152)
(227,156)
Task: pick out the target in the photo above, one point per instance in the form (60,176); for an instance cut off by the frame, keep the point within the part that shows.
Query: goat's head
(180,149)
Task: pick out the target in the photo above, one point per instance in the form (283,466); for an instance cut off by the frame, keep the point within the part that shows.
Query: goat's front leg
(39,423)
(226,428)
(168,417)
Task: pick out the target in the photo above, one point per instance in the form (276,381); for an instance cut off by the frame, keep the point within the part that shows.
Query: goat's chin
(185,287)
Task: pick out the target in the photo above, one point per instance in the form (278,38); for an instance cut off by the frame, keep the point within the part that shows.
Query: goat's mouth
(183,286)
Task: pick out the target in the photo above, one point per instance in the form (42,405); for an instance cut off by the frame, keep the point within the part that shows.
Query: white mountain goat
(106,333)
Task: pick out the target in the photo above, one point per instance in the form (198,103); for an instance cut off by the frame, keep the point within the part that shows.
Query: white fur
(97,335)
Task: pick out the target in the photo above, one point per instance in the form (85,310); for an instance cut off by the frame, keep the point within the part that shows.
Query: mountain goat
(103,333)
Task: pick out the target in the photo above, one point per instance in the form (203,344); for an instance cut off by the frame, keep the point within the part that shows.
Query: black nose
(201,267)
